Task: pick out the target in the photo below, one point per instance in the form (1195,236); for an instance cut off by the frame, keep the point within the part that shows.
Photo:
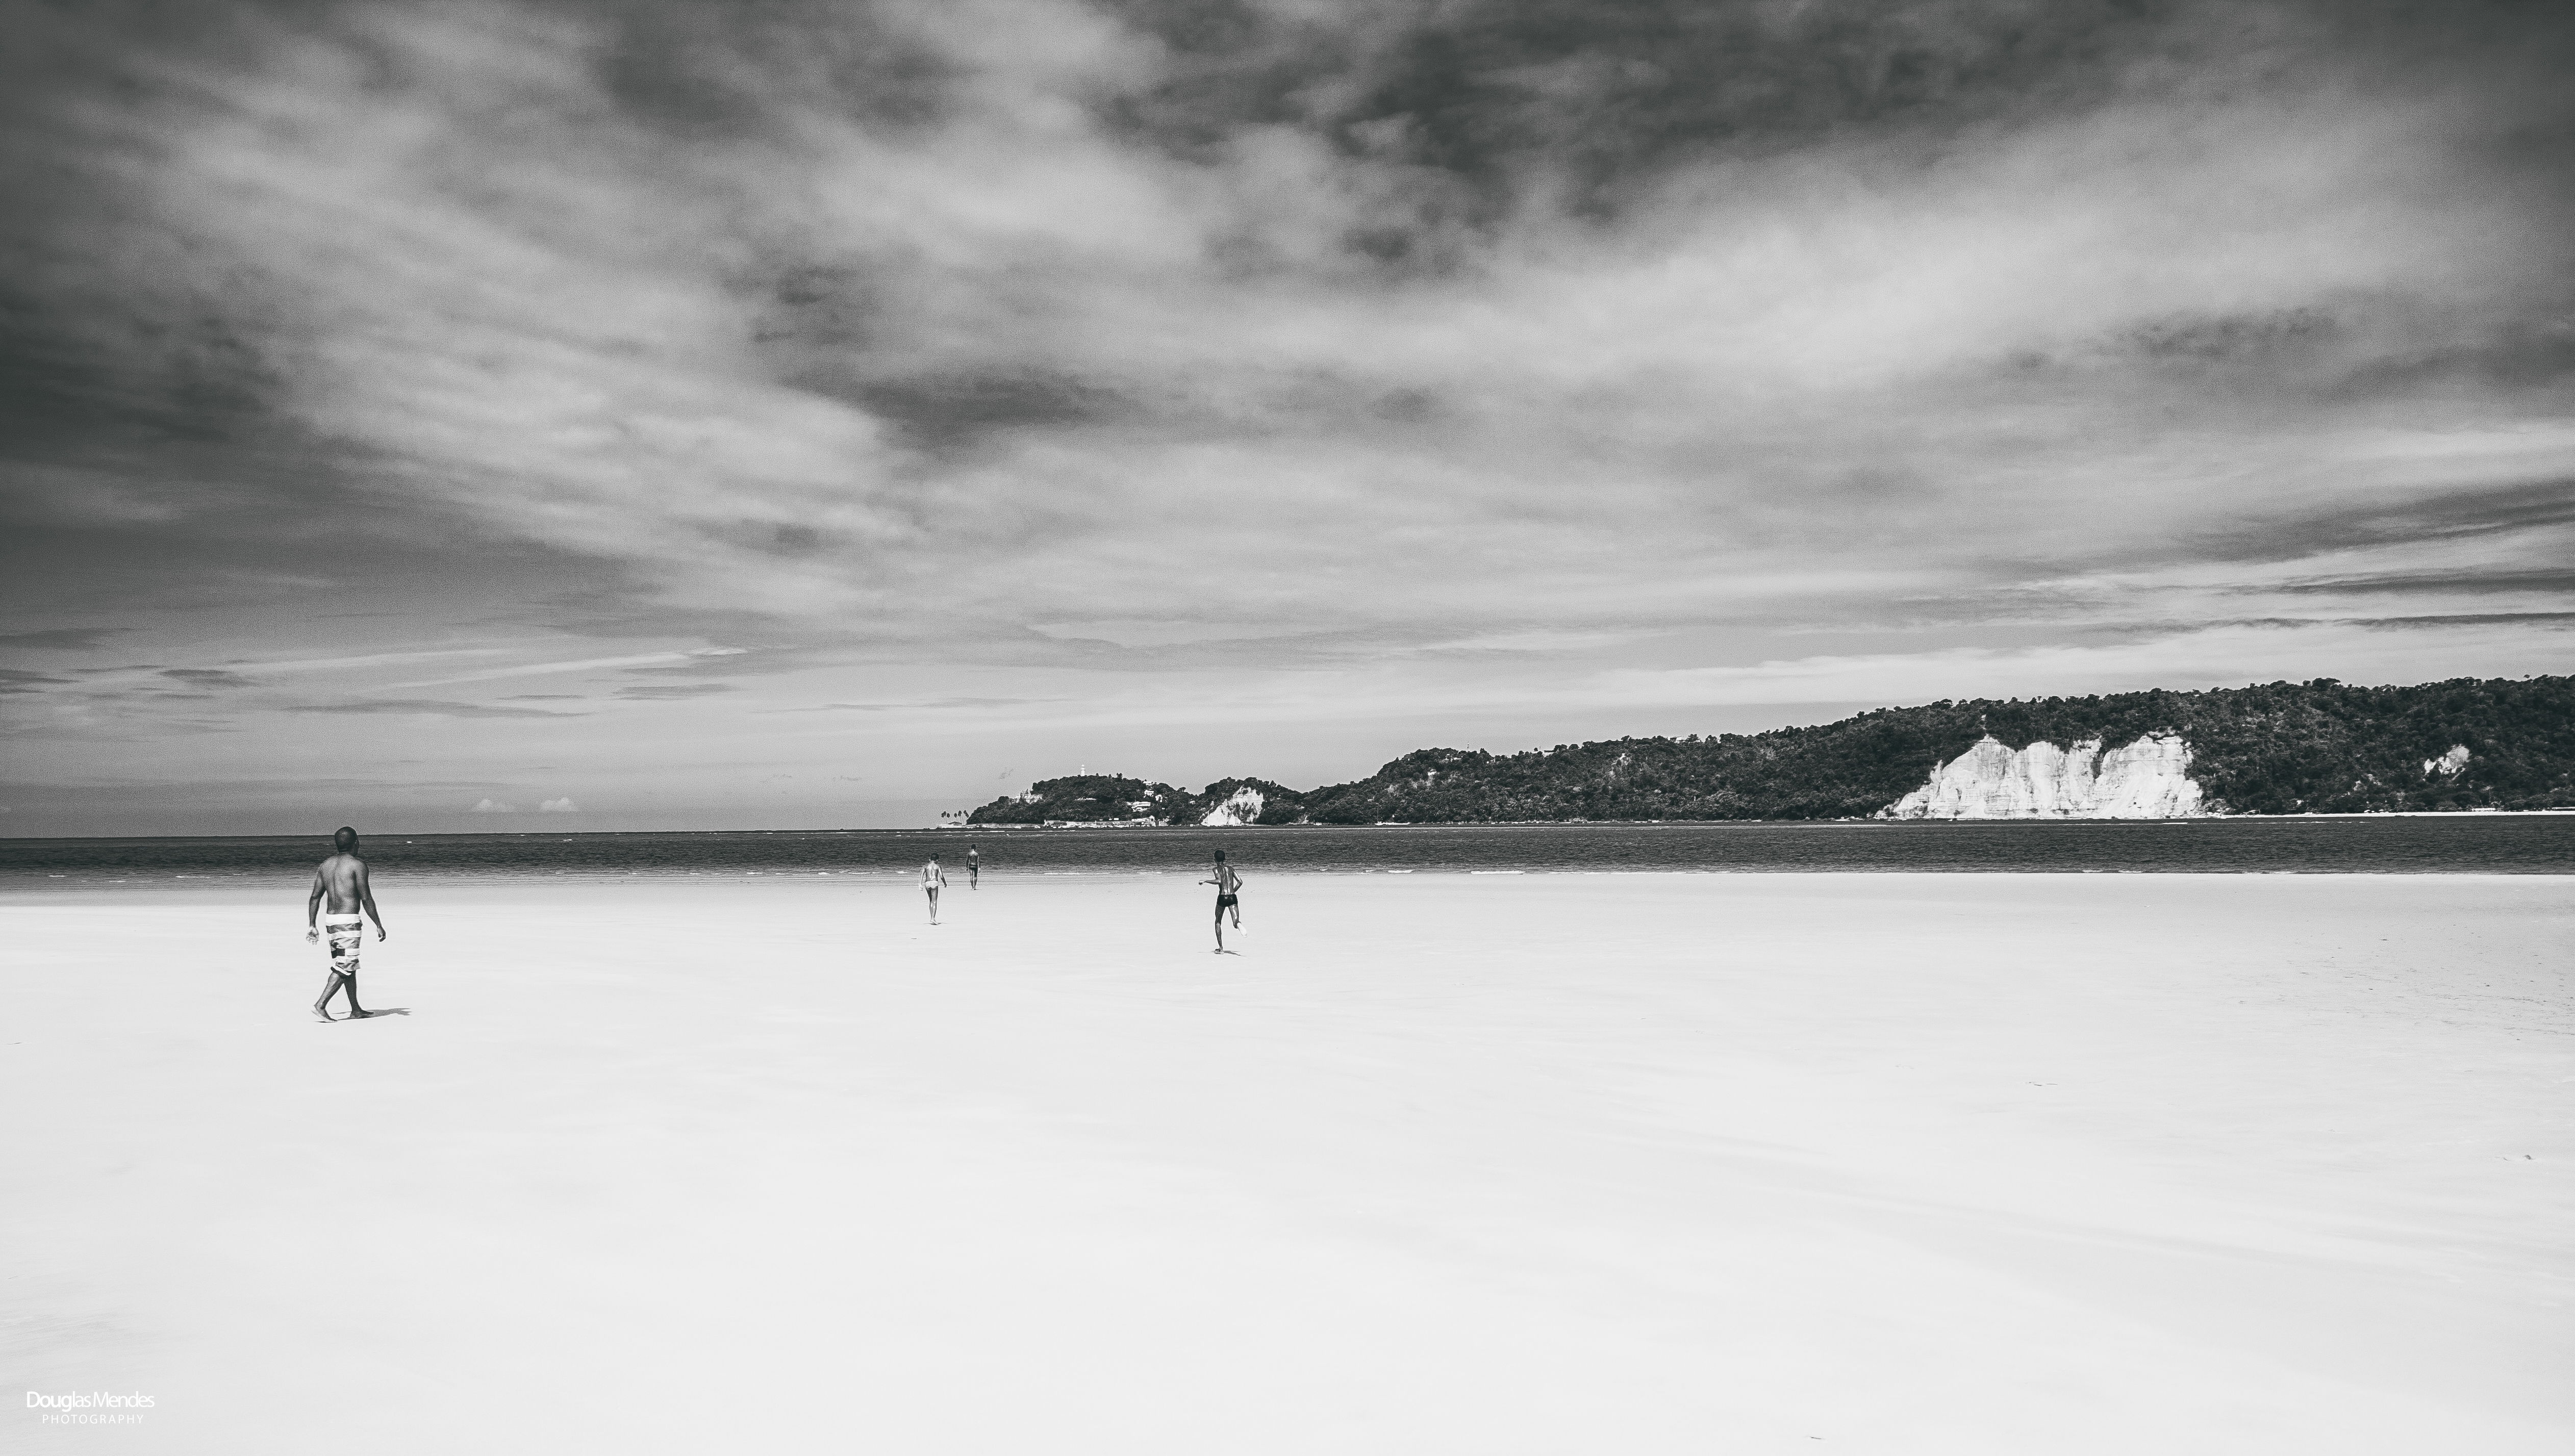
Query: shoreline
(291,886)
(1867,820)
(1864,822)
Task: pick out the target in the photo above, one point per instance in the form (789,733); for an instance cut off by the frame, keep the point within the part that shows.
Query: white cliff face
(1243,808)
(2448,764)
(2147,780)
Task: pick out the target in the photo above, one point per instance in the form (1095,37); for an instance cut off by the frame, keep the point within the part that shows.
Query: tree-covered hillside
(1086,798)
(2281,748)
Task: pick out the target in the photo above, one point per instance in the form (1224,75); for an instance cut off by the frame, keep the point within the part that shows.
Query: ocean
(2418,844)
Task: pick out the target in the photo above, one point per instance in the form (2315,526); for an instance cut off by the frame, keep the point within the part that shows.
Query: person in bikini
(974,867)
(932,880)
(342,879)
(1228,886)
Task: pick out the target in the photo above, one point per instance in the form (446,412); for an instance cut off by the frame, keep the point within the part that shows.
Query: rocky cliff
(1242,807)
(2147,780)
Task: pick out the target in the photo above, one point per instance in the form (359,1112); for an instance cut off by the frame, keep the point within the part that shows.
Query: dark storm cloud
(2516,354)
(13,680)
(2467,619)
(208,677)
(735,663)
(2348,349)
(119,346)
(429,706)
(61,639)
(1495,99)
(621,601)
(2439,584)
(719,69)
(2248,338)
(926,702)
(942,413)
(770,538)
(671,691)
(148,400)
(2502,510)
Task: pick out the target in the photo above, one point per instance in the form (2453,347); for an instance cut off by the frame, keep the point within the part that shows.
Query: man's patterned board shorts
(344,932)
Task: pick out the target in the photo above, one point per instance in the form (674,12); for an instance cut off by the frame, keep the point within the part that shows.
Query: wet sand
(1541,1163)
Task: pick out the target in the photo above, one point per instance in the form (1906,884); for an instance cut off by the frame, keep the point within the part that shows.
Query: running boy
(1227,884)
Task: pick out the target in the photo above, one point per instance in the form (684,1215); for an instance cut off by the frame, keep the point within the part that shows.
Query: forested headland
(2320,747)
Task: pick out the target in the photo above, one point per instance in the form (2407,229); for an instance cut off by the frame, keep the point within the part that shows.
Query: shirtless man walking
(343,877)
(932,880)
(1226,883)
(974,867)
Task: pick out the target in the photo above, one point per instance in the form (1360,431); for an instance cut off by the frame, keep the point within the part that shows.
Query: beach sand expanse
(1633,1163)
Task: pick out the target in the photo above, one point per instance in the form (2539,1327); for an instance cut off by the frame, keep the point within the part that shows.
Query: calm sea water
(2455,844)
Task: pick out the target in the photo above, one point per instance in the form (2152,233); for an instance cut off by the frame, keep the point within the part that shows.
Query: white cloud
(563,806)
(1076,428)
(2218,656)
(543,670)
(1602,418)
(494,806)
(1151,634)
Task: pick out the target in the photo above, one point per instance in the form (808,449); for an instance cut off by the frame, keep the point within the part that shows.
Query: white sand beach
(1543,1163)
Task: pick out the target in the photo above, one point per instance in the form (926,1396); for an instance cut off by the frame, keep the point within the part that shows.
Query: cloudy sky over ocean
(747,414)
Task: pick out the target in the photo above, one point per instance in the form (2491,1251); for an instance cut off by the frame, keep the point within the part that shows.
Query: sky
(771,414)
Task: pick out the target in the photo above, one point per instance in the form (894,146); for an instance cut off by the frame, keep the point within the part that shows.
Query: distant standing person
(343,879)
(1228,887)
(932,880)
(974,867)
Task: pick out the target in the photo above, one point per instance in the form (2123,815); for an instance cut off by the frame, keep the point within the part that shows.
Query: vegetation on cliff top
(2281,748)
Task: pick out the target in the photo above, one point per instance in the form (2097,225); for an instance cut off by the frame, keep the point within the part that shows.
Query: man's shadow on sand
(369,1016)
